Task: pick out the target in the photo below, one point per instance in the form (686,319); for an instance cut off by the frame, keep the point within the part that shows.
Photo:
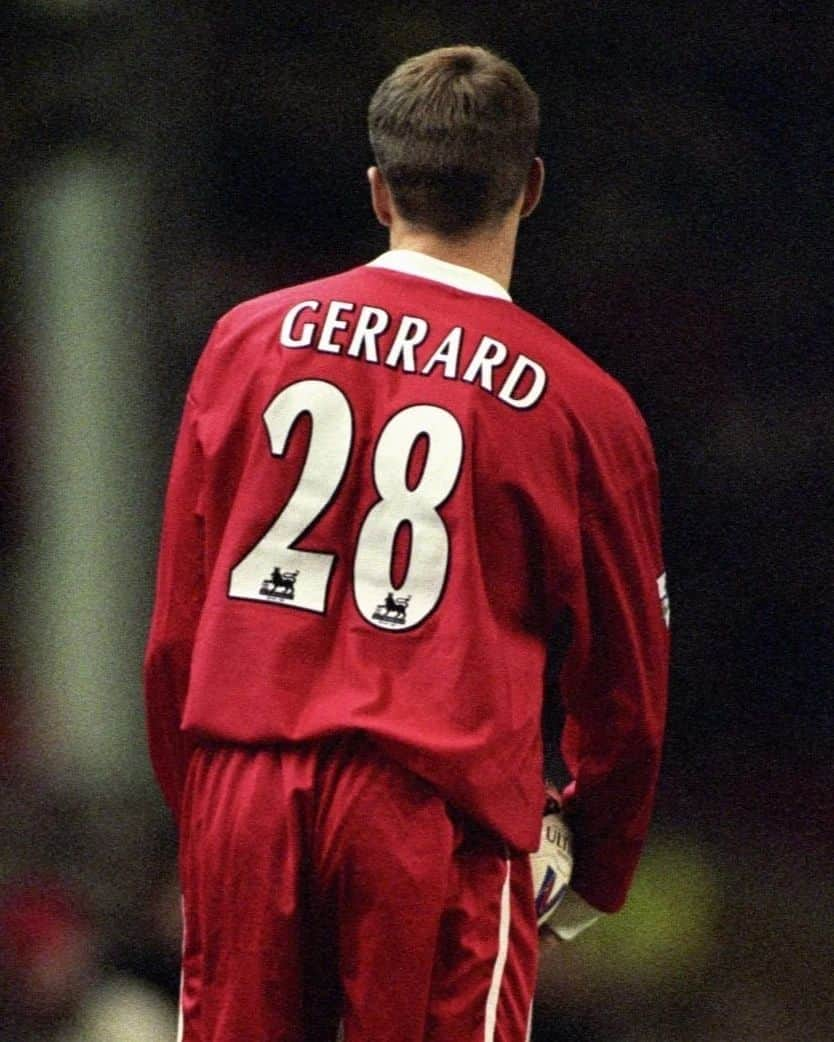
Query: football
(551,865)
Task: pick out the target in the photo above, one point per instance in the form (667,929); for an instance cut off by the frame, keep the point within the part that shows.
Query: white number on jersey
(307,572)
(275,571)
(424,581)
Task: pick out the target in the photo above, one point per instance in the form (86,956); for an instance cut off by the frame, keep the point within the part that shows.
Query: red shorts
(325,884)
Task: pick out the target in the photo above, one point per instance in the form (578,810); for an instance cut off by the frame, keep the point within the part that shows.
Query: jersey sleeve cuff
(573,915)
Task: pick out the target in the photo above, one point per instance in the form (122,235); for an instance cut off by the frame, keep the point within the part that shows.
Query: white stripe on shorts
(180,1017)
(500,960)
(180,1020)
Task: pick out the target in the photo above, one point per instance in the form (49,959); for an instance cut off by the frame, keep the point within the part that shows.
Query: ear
(380,197)
(533,187)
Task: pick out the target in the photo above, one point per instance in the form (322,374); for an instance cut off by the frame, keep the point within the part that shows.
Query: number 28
(308,572)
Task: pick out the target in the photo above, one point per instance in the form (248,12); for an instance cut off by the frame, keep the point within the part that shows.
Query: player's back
(393,468)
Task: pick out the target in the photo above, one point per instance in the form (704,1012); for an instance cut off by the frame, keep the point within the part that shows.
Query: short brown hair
(454,132)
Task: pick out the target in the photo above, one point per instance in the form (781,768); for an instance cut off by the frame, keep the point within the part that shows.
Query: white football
(552,865)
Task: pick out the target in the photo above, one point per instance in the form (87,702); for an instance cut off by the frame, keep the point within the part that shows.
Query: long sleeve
(180,592)
(613,686)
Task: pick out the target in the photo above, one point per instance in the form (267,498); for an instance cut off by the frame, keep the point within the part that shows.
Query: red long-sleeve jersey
(391,489)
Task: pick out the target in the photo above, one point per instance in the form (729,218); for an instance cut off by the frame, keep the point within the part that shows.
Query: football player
(393,489)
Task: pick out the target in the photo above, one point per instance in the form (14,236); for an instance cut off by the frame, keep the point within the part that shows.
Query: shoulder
(579,386)
(245,329)
(250,312)
(610,436)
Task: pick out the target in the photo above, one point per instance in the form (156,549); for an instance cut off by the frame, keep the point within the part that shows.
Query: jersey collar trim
(410,262)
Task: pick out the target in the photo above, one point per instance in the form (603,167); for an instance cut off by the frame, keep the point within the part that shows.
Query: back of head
(454,132)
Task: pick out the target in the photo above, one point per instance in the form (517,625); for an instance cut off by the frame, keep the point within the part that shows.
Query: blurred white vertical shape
(83,585)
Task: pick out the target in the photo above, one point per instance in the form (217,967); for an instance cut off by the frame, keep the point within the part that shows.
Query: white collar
(410,262)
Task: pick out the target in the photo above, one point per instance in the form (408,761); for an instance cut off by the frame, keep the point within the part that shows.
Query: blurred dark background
(160,163)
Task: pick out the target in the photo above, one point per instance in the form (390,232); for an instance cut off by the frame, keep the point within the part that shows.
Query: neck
(490,251)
